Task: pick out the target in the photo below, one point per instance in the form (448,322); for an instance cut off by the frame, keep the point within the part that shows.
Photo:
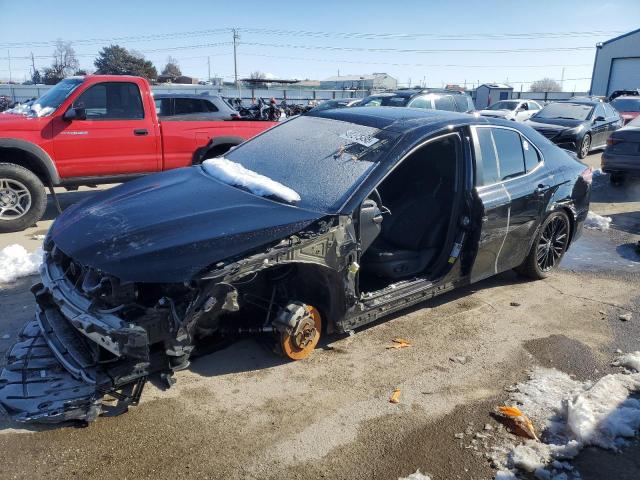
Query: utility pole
(9,57)
(562,81)
(235,58)
(33,66)
(209,67)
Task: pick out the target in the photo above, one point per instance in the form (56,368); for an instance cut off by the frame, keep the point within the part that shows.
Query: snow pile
(597,222)
(29,109)
(233,173)
(571,415)
(16,262)
(630,361)
(416,476)
(38,111)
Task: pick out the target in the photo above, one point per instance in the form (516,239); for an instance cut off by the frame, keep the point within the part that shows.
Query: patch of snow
(630,361)
(597,172)
(38,237)
(571,415)
(416,476)
(505,475)
(16,262)
(39,111)
(597,222)
(233,173)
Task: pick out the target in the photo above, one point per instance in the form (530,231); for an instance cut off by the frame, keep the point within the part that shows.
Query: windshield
(385,101)
(321,160)
(568,111)
(504,105)
(50,101)
(626,104)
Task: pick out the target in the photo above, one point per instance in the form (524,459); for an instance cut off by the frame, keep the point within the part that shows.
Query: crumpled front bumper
(35,386)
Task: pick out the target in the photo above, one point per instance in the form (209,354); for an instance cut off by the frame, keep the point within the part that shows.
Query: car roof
(399,119)
(580,101)
(627,97)
(184,95)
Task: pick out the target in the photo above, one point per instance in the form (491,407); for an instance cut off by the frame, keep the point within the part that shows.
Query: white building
(489,93)
(617,65)
(375,81)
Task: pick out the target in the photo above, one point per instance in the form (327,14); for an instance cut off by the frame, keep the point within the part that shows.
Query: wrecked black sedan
(320,225)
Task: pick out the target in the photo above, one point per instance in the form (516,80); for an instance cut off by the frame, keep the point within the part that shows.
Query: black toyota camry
(580,124)
(320,225)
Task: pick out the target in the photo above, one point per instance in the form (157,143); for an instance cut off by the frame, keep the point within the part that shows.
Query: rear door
(117,137)
(513,189)
(600,127)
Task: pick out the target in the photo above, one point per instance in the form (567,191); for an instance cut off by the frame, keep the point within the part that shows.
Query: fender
(200,153)
(41,157)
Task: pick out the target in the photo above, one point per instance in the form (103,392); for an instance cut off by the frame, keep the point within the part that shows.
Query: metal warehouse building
(617,64)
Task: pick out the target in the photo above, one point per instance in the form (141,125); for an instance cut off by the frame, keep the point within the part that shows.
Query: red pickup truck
(98,129)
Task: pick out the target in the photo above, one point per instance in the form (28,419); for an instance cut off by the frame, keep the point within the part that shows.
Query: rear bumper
(617,163)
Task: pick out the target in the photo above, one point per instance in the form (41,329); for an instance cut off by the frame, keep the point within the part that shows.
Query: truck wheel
(23,199)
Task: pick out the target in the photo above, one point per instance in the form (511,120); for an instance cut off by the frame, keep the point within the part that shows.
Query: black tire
(548,245)
(23,199)
(617,179)
(584,147)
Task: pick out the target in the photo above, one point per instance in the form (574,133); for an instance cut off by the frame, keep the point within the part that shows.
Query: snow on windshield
(233,173)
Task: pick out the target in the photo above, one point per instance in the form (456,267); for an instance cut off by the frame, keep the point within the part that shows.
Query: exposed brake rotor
(300,326)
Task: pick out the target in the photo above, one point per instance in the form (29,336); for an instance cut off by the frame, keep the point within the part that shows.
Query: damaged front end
(94,338)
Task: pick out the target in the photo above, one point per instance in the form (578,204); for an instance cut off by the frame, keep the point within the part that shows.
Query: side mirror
(75,114)
(599,118)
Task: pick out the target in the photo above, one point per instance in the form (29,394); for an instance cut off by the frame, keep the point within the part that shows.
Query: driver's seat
(411,237)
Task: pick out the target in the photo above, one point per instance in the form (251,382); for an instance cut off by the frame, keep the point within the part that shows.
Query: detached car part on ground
(320,225)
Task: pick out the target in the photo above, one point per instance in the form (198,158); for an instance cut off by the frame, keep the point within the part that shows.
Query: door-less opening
(405,222)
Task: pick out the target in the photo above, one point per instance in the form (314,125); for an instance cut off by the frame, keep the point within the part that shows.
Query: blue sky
(464,34)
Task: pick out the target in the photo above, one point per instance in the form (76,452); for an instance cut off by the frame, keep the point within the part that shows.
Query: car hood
(169,227)
(495,113)
(553,123)
(15,121)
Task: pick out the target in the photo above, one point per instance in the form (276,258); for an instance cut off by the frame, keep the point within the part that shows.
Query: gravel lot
(243,412)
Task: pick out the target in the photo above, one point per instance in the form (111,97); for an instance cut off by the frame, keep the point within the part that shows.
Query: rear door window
(510,152)
(533,106)
(444,102)
(462,103)
(487,171)
(420,102)
(185,106)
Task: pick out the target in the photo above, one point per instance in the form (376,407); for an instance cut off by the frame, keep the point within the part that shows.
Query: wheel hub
(304,333)
(15,199)
(299,326)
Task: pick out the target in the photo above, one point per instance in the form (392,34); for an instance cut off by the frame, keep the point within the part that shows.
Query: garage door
(625,74)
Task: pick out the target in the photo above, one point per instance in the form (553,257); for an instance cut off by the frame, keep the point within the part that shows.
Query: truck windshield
(50,101)
(321,160)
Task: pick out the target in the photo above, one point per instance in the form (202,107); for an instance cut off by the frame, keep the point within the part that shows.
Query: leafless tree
(545,85)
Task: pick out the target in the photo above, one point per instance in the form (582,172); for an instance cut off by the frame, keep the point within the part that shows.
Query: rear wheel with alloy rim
(548,248)
(585,146)
(22,198)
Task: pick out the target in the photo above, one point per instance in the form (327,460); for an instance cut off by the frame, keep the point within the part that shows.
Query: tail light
(587,175)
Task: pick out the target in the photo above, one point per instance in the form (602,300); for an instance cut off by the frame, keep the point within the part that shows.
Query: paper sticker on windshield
(360,138)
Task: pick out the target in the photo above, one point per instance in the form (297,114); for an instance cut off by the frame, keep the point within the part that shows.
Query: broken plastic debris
(520,420)
(399,343)
(395,396)
(625,317)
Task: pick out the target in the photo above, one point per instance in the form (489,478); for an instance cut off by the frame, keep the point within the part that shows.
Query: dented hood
(170,226)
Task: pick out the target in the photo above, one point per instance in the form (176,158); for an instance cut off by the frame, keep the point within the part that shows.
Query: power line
(396,64)
(419,50)
(321,34)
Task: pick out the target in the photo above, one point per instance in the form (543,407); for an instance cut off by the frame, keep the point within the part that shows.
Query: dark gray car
(622,155)
(193,107)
